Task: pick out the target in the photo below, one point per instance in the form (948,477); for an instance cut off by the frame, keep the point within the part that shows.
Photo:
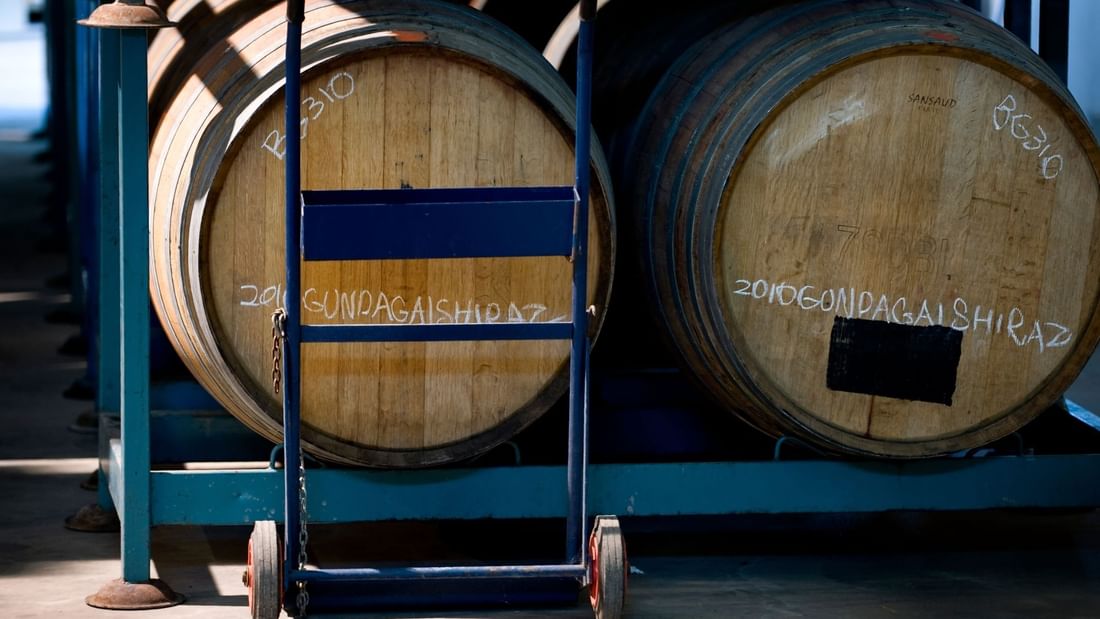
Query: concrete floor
(989,564)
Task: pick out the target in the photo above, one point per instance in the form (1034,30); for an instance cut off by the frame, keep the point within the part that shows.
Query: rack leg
(134,590)
(134,323)
(107,389)
(103,310)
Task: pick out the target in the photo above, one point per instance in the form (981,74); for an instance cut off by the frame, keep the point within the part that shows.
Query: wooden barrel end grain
(873,225)
(395,94)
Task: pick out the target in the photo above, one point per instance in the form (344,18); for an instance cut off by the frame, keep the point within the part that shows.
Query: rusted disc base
(93,519)
(127,14)
(121,595)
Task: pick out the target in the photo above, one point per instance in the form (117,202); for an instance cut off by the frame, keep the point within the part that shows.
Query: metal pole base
(121,595)
(134,14)
(93,519)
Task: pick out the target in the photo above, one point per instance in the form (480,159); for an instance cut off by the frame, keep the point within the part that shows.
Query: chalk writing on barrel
(379,307)
(340,86)
(1033,139)
(958,314)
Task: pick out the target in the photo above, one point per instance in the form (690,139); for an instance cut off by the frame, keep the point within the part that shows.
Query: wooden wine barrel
(395,94)
(873,225)
(534,21)
(636,43)
(200,25)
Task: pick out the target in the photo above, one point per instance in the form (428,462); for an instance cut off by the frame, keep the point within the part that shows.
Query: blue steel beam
(134,511)
(490,222)
(194,436)
(342,495)
(441,197)
(1082,414)
(87,195)
(291,352)
(576,524)
(441,573)
(107,387)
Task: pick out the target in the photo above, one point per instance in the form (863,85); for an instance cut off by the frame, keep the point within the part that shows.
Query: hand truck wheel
(608,568)
(264,574)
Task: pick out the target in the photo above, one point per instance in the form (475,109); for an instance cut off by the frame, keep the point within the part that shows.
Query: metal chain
(278,340)
(303,532)
(278,335)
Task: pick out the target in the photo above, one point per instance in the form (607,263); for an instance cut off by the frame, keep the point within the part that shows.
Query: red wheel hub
(593,569)
(250,579)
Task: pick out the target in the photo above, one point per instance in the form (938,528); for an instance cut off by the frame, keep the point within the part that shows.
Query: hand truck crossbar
(577,570)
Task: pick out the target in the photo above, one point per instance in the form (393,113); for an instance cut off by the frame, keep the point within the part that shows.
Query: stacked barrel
(395,94)
(872,225)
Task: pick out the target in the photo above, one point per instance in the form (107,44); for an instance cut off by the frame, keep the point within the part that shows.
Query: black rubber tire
(610,568)
(265,571)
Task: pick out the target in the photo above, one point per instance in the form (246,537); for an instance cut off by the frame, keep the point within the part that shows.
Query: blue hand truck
(421,224)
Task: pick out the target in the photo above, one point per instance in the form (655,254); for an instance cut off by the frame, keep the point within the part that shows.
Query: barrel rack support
(125,74)
(147,498)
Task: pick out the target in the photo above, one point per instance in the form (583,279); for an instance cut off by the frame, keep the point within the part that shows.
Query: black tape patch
(892,360)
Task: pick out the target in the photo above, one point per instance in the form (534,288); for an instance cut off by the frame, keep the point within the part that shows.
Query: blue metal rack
(147,498)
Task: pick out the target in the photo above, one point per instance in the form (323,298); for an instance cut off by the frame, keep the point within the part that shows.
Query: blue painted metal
(576,533)
(107,388)
(437,332)
(437,223)
(1082,414)
(440,573)
(442,197)
(107,291)
(777,452)
(673,489)
(180,395)
(176,437)
(87,195)
(134,299)
(295,10)
(81,148)
(203,436)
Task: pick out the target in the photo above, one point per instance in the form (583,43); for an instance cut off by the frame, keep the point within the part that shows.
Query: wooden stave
(636,43)
(174,51)
(994,431)
(815,432)
(695,328)
(168,271)
(199,24)
(534,21)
